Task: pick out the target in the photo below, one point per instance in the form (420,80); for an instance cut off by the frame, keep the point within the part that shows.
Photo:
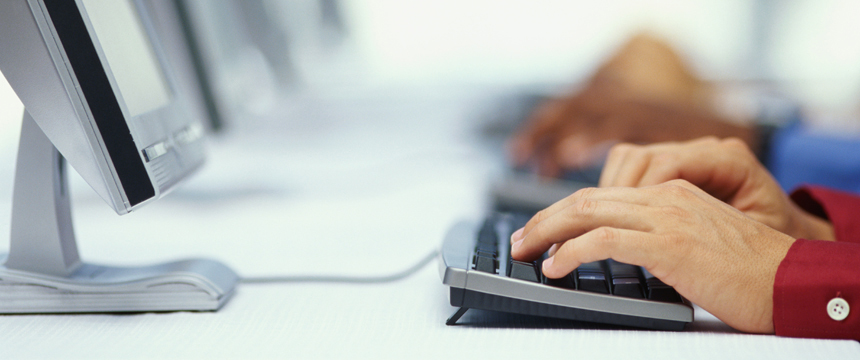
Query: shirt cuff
(840,208)
(812,275)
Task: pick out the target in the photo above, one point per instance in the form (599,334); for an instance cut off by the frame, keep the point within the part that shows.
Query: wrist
(811,227)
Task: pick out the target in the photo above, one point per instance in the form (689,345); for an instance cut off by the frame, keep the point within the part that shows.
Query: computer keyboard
(475,263)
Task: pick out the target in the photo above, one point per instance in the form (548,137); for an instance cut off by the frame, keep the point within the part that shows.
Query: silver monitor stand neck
(43,272)
(43,239)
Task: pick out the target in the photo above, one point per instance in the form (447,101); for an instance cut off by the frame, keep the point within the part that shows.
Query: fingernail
(517,235)
(552,249)
(547,263)
(516,246)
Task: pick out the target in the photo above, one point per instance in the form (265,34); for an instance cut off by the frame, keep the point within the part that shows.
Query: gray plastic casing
(455,271)
(36,66)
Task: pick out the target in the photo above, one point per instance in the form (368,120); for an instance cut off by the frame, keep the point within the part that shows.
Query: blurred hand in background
(643,94)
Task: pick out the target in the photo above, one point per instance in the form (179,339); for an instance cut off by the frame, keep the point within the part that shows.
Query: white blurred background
(309,52)
(811,48)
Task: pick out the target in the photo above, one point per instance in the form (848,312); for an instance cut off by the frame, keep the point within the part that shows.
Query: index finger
(579,219)
(629,195)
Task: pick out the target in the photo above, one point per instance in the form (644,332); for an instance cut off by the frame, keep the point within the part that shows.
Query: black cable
(343,279)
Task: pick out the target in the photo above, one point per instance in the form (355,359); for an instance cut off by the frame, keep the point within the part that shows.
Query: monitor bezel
(87,77)
(43,271)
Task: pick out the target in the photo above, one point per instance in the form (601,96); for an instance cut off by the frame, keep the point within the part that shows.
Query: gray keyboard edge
(454,270)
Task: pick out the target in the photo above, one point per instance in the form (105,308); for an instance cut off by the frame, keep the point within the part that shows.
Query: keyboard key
(490,254)
(591,277)
(566,282)
(608,278)
(626,280)
(485,263)
(594,267)
(487,248)
(622,270)
(523,271)
(659,291)
(629,287)
(594,282)
(664,293)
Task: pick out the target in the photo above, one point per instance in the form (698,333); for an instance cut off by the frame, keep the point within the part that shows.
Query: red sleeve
(841,208)
(815,272)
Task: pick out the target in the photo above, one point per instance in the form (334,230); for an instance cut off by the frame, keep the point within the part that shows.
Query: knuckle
(678,188)
(585,208)
(605,234)
(584,193)
(738,147)
(622,149)
(677,185)
(539,217)
(675,212)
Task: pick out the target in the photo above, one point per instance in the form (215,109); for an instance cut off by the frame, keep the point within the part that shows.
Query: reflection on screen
(129,53)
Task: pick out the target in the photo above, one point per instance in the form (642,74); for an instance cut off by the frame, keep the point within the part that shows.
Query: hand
(726,169)
(711,253)
(644,93)
(575,132)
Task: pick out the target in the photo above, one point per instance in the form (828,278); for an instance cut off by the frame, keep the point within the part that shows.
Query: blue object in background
(799,156)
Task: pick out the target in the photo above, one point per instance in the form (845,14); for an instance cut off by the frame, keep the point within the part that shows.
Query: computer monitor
(241,81)
(101,93)
(184,56)
(176,13)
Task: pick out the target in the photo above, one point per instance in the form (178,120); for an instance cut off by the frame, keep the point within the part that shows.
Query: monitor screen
(129,53)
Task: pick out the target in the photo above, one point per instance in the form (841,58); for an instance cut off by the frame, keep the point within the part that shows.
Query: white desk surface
(355,191)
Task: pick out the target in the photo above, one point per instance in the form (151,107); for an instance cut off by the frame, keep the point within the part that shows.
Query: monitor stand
(44,274)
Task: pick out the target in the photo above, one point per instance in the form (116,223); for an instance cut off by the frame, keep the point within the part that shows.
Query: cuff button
(838,309)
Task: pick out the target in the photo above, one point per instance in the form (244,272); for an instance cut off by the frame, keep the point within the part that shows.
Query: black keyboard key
(487,254)
(619,270)
(594,282)
(523,271)
(566,282)
(594,267)
(664,293)
(626,279)
(486,247)
(591,277)
(485,263)
(659,291)
(633,285)
(629,287)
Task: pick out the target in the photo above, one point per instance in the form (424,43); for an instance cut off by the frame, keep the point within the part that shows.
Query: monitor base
(43,272)
(185,285)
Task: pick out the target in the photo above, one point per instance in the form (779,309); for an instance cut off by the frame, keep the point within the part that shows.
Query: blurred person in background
(645,93)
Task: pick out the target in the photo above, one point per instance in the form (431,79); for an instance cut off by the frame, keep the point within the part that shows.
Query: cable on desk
(343,279)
